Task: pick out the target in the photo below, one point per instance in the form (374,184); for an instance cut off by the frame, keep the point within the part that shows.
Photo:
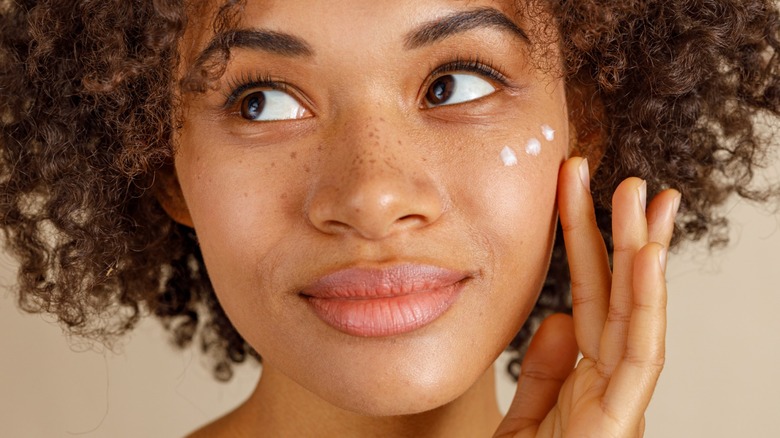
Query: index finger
(591,278)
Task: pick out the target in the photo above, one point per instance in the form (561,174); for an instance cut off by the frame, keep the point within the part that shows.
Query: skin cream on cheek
(534,147)
(548,133)
(508,157)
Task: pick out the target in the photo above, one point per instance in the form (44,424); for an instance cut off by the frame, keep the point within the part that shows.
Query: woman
(376,199)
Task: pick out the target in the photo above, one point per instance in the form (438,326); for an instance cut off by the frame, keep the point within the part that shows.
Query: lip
(384,302)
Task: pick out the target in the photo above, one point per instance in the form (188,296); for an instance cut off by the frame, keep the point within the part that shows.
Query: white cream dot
(534,147)
(508,157)
(548,132)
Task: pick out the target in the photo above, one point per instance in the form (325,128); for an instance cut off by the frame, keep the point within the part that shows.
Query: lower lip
(386,316)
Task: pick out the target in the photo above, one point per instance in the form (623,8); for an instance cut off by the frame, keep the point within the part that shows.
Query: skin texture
(372,177)
(657,89)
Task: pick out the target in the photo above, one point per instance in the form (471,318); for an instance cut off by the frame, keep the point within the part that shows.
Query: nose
(373,183)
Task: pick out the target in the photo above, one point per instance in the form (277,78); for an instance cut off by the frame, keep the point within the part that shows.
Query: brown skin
(669,92)
(370,176)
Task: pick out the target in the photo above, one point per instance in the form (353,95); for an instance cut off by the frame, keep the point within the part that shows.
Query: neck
(281,407)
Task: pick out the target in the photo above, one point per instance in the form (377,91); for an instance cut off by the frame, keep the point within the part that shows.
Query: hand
(619,320)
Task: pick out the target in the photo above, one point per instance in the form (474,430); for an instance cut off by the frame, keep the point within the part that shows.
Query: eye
(457,88)
(270,105)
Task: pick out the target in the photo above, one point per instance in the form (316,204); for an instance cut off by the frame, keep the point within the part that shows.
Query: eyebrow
(459,22)
(259,39)
(285,44)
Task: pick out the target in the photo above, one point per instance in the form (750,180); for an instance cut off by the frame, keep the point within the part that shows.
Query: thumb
(548,362)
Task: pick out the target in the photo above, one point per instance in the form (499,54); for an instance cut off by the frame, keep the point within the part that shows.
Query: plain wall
(721,377)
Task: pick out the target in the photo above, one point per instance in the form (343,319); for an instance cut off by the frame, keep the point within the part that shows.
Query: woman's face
(373,189)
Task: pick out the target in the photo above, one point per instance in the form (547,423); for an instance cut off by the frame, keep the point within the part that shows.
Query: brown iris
(440,90)
(252,105)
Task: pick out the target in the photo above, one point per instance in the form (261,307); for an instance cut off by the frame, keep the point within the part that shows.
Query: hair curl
(672,89)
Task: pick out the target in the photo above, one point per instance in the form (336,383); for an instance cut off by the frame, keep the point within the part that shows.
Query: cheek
(518,203)
(239,211)
(512,210)
(510,185)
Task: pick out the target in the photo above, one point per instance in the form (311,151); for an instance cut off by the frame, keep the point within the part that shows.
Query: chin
(397,377)
(399,398)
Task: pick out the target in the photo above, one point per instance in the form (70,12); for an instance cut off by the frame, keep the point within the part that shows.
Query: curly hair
(671,90)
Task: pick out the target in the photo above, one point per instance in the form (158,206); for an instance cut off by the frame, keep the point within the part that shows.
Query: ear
(587,122)
(168,193)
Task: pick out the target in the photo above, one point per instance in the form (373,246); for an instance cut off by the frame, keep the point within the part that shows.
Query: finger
(629,231)
(587,255)
(660,216)
(548,362)
(640,430)
(631,386)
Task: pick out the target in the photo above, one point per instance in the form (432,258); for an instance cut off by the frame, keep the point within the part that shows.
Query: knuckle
(539,375)
(621,248)
(578,222)
(653,362)
(642,307)
(619,315)
(583,298)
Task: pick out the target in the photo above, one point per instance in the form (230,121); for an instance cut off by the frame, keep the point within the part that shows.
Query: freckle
(246,195)
(534,147)
(508,157)
(399,142)
(381,119)
(372,161)
(283,196)
(319,148)
(370,135)
(293,155)
(307,169)
(273,164)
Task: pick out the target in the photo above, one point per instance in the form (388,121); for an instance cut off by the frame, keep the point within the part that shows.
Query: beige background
(722,377)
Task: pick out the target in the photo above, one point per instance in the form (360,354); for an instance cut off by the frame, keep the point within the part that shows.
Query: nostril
(413,219)
(335,227)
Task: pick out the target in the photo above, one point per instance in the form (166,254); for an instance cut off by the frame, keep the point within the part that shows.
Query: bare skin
(619,321)
(362,169)
(618,325)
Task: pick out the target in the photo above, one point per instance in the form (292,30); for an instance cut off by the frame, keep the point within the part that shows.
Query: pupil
(253,105)
(441,90)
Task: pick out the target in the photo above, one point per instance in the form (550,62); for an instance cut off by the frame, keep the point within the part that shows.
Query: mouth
(384,302)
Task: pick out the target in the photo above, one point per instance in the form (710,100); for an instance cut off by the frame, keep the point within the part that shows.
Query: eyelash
(238,86)
(474,65)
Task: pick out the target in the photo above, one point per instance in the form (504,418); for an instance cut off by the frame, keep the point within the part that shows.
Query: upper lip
(368,283)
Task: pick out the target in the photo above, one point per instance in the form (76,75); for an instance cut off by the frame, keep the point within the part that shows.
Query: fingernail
(676,205)
(585,174)
(662,258)
(643,195)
